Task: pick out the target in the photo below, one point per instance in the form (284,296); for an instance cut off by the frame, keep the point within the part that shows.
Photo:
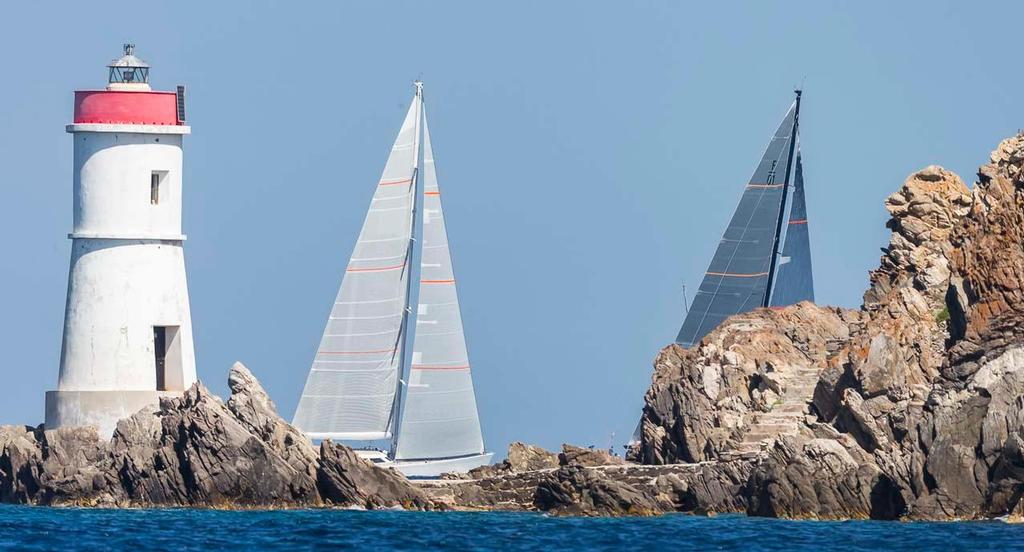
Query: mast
(782,205)
(397,408)
(439,417)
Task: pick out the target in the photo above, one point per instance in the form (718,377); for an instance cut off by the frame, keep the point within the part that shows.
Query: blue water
(26,528)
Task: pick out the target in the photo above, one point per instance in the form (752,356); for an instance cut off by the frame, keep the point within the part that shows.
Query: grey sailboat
(364,387)
(749,270)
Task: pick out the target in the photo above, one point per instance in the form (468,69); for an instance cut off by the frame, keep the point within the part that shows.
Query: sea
(37,528)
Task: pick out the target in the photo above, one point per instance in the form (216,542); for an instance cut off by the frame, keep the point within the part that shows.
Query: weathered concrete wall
(127,275)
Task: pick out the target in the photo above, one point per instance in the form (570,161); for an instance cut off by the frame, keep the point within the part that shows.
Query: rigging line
(782,208)
(396,405)
(746,228)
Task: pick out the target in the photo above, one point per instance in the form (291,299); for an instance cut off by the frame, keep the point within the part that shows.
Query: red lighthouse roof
(128,98)
(126,107)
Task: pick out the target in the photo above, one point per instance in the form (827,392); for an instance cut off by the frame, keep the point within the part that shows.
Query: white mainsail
(351,388)
(439,418)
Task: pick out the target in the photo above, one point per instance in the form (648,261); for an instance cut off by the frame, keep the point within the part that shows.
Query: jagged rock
(572,455)
(194,450)
(253,408)
(987,302)
(520,458)
(346,479)
(820,479)
(750,376)
(206,455)
(523,457)
(76,468)
(704,488)
(573,490)
(20,464)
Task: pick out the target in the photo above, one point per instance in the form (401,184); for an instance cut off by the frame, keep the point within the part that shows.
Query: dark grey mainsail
(794,279)
(740,276)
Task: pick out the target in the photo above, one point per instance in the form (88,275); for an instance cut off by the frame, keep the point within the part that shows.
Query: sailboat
(415,412)
(749,270)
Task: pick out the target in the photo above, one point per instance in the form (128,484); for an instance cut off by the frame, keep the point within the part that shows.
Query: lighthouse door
(160,351)
(167,358)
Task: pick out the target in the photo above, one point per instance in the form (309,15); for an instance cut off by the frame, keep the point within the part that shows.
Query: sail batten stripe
(733,275)
(379,240)
(377,269)
(435,367)
(344,371)
(382,317)
(377,351)
(368,259)
(369,302)
(345,396)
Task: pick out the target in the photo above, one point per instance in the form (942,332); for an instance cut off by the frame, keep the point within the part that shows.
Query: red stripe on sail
(394,182)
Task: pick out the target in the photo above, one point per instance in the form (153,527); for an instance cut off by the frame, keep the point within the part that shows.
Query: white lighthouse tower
(127,326)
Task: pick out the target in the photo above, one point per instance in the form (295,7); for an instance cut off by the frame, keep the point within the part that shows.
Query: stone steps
(783,419)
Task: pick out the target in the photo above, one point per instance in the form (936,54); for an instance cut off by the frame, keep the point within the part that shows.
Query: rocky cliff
(910,407)
(195,450)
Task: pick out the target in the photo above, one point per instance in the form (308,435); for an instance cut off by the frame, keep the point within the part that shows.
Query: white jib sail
(439,418)
(351,388)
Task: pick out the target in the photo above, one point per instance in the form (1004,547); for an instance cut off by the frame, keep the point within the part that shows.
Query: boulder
(572,455)
(346,479)
(576,491)
(523,457)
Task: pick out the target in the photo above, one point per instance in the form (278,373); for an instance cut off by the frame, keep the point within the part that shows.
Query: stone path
(783,419)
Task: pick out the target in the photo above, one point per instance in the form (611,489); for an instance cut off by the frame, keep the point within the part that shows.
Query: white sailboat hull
(427,469)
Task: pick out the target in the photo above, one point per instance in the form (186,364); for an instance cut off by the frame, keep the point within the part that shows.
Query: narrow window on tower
(155,179)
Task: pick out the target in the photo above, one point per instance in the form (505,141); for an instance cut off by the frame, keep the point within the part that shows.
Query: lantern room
(128,72)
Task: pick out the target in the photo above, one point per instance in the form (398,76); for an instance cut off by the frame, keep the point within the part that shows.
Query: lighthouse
(127,326)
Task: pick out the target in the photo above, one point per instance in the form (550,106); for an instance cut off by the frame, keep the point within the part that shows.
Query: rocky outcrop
(572,455)
(195,450)
(908,407)
(749,381)
(575,491)
(523,458)
(346,479)
(607,488)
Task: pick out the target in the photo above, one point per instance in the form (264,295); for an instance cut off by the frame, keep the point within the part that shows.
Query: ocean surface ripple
(33,528)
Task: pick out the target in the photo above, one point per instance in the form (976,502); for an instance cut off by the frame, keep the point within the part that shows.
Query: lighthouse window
(154,187)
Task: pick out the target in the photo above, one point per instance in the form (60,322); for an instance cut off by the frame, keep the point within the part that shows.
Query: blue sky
(591,154)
